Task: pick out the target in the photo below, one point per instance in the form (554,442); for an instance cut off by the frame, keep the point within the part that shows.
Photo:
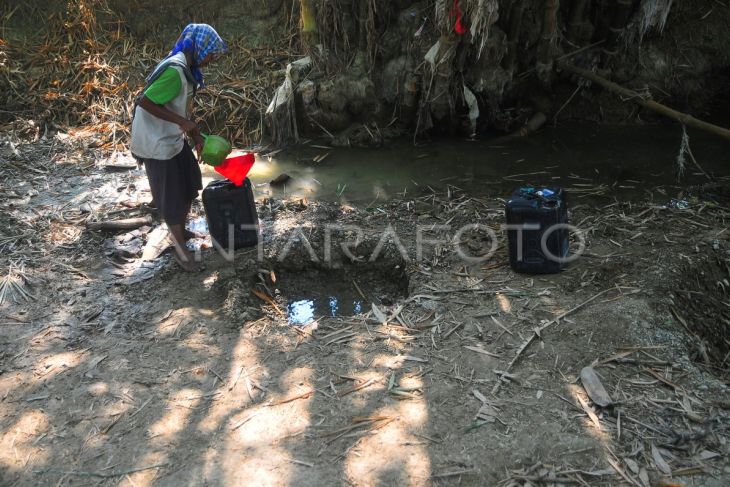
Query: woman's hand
(189,127)
(198,140)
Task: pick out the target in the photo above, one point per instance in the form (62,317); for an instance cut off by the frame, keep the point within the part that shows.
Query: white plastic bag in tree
(432,54)
(283,93)
(471,102)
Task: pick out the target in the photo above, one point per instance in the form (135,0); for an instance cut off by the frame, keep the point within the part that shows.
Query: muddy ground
(118,371)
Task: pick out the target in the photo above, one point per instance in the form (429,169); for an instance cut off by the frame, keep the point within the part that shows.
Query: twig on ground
(539,330)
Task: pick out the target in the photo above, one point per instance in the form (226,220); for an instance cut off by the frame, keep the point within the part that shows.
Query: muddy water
(595,164)
(312,293)
(626,162)
(303,311)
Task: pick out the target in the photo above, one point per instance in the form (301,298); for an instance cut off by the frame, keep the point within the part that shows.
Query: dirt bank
(375,69)
(129,372)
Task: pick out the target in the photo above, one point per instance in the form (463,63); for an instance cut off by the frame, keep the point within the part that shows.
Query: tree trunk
(309,21)
(545,49)
(621,14)
(577,20)
(513,35)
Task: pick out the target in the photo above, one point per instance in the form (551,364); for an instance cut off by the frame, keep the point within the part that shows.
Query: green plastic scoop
(215,149)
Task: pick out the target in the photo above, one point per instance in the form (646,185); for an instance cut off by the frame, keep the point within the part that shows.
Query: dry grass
(87,70)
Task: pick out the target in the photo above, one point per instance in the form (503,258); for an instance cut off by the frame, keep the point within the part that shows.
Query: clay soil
(119,372)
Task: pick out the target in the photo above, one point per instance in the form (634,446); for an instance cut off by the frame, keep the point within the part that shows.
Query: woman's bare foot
(186,260)
(149,208)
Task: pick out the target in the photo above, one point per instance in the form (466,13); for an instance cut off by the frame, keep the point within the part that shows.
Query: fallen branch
(657,107)
(267,299)
(103,475)
(304,395)
(371,424)
(538,331)
(535,479)
(564,56)
(127,224)
(352,389)
(468,471)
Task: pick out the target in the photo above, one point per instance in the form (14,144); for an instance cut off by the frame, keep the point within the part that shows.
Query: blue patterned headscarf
(199,40)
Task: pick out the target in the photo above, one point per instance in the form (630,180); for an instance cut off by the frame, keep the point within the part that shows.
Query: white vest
(154,138)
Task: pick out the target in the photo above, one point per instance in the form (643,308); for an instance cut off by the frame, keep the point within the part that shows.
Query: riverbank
(426,371)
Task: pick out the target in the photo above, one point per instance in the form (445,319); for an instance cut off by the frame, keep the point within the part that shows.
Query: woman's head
(202,45)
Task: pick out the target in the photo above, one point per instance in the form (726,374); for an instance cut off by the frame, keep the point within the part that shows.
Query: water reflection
(571,154)
(198,226)
(303,311)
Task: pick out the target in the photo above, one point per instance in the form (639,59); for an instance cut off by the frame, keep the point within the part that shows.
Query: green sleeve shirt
(165,88)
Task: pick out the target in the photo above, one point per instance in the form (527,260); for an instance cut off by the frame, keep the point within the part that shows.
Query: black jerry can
(537,233)
(231,214)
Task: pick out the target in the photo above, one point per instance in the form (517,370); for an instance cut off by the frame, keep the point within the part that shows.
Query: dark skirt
(174,184)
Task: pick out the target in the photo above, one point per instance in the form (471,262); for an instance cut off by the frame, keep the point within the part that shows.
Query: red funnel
(236,168)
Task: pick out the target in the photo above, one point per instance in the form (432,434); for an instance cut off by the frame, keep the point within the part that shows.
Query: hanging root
(651,15)
(681,156)
(483,14)
(685,149)
(441,14)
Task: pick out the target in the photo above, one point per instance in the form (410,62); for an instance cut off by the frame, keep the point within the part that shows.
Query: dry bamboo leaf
(379,315)
(633,466)
(691,414)
(659,461)
(644,477)
(707,455)
(482,351)
(479,396)
(498,323)
(593,386)
(94,362)
(411,358)
(589,412)
(487,413)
